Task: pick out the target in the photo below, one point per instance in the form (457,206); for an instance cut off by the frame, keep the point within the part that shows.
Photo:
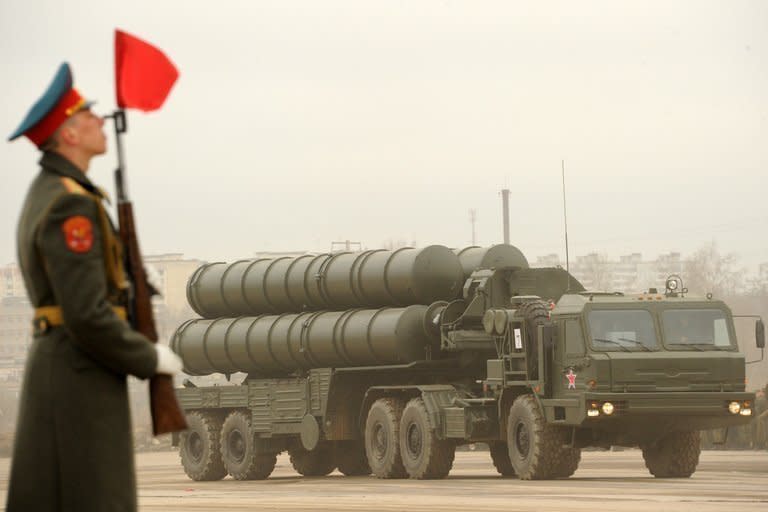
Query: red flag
(143,74)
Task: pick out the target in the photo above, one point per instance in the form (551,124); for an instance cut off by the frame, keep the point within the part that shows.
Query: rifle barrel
(121,126)
(167,415)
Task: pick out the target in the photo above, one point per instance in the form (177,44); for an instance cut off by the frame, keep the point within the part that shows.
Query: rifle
(167,415)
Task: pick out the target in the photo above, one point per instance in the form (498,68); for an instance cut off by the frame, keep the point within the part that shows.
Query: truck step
(474,401)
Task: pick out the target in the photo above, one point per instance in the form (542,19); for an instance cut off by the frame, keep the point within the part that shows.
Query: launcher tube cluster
(282,315)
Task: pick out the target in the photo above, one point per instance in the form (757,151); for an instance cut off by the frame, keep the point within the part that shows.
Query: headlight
(734,407)
(593,412)
(607,408)
(746,412)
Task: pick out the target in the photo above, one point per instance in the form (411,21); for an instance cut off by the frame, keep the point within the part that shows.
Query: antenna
(565,220)
(505,213)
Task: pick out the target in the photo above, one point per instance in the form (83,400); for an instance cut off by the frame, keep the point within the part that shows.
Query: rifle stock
(167,415)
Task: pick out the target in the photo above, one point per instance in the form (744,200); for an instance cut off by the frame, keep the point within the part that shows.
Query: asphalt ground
(605,481)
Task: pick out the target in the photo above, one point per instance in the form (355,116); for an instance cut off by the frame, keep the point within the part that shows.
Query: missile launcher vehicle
(383,362)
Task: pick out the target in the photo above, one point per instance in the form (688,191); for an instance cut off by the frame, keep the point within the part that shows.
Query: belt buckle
(41,325)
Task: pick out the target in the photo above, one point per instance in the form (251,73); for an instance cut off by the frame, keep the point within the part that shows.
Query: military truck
(385,362)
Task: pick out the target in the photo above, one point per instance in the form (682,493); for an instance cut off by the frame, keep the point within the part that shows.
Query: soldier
(73,447)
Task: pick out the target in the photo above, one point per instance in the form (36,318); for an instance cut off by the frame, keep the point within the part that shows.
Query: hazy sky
(295,124)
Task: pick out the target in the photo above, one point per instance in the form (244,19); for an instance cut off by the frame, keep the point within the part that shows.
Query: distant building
(629,274)
(11,282)
(548,260)
(280,254)
(15,338)
(15,329)
(168,272)
(668,264)
(759,285)
(171,273)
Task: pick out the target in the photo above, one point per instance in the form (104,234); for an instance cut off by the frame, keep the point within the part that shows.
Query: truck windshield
(627,330)
(705,329)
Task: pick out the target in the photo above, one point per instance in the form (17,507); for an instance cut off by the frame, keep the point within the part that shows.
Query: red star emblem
(571,379)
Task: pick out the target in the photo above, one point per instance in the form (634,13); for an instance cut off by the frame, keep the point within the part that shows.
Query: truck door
(568,368)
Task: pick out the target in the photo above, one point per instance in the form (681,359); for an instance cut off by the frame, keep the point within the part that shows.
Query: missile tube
(496,256)
(368,279)
(283,344)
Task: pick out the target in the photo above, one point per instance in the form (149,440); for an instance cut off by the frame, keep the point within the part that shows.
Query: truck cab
(643,365)
(646,370)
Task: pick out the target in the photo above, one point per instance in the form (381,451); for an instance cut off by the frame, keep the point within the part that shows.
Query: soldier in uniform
(73,447)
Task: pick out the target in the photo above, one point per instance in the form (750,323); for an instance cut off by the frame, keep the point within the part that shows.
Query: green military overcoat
(73,447)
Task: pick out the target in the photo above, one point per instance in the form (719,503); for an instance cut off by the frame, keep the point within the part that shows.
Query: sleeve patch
(78,233)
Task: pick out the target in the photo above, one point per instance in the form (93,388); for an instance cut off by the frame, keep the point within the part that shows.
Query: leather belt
(52,316)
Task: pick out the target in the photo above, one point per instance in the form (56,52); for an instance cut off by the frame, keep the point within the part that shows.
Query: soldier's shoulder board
(72,186)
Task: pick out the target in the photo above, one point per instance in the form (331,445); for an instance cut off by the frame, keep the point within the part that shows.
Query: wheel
(500,458)
(382,438)
(238,450)
(317,462)
(568,462)
(424,456)
(200,449)
(351,459)
(676,455)
(534,446)
(534,313)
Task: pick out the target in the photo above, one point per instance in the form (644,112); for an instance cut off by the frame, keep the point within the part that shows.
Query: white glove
(168,363)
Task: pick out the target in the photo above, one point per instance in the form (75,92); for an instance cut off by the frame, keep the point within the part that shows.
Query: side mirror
(760,333)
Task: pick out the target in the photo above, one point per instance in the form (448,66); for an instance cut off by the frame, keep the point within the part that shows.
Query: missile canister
(283,344)
(339,281)
(496,256)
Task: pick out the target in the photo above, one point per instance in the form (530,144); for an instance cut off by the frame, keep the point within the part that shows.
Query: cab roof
(574,303)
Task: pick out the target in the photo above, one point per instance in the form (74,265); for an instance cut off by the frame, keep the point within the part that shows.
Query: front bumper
(698,410)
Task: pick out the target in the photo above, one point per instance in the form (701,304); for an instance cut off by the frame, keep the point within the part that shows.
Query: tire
(676,455)
(382,438)
(534,447)
(500,458)
(200,449)
(535,313)
(568,462)
(424,456)
(238,450)
(317,462)
(351,459)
